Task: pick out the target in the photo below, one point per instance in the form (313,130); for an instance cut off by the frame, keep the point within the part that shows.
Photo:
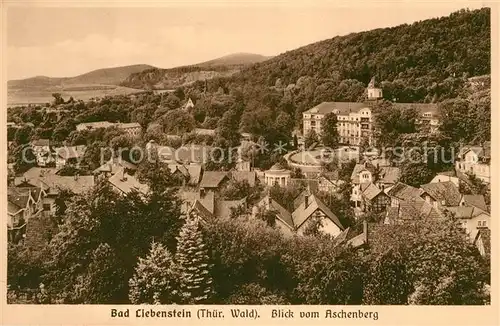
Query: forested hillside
(225,66)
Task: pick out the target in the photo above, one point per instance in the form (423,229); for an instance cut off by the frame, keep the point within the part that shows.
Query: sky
(65,42)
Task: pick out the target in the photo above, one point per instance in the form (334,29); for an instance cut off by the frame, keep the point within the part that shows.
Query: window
(46,207)
(481,223)
(366,176)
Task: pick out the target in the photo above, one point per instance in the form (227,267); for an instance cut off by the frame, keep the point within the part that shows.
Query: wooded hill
(426,61)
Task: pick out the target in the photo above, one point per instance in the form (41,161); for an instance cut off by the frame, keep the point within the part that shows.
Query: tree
(24,158)
(329,133)
(310,139)
(23,135)
(63,129)
(58,99)
(177,122)
(416,174)
(154,280)
(227,128)
(102,281)
(439,265)
(390,122)
(457,118)
(171,101)
(192,264)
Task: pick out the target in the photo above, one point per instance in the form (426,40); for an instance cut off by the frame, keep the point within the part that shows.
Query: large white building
(355,119)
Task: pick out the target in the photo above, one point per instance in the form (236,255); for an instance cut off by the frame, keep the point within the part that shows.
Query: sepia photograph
(272,155)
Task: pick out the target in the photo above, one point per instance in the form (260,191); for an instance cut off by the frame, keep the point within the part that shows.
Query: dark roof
(370,191)
(389,174)
(201,211)
(18,197)
(339,107)
(223,207)
(417,208)
(212,179)
(126,183)
(466,212)
(403,191)
(189,197)
(443,191)
(476,201)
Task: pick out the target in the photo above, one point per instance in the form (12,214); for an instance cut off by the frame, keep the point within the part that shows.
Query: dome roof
(276,167)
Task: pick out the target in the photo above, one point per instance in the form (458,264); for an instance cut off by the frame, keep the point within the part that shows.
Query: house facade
(42,151)
(475,160)
(310,210)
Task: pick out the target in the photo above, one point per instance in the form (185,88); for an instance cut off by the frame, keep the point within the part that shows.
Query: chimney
(365,231)
(306,200)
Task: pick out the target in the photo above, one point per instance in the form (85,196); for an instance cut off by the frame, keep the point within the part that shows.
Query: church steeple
(373,92)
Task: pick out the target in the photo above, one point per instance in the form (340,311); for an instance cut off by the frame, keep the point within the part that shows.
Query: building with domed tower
(355,119)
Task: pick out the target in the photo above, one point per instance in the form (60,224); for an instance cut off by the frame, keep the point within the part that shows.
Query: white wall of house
(327,227)
(470,164)
(283,227)
(471,225)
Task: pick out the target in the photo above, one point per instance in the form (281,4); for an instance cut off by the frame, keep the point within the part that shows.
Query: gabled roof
(370,191)
(126,183)
(51,181)
(281,213)
(466,212)
(17,198)
(223,207)
(201,211)
(389,174)
(173,167)
(476,201)
(443,191)
(332,177)
(358,168)
(417,208)
(403,191)
(212,179)
(114,165)
(482,152)
(207,199)
(303,213)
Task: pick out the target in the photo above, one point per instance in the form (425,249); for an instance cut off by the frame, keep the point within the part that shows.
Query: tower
(373,92)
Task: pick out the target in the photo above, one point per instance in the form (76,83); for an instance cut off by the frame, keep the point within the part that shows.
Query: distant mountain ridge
(235,59)
(104,76)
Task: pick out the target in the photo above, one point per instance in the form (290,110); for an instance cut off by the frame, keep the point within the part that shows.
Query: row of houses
(132,129)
